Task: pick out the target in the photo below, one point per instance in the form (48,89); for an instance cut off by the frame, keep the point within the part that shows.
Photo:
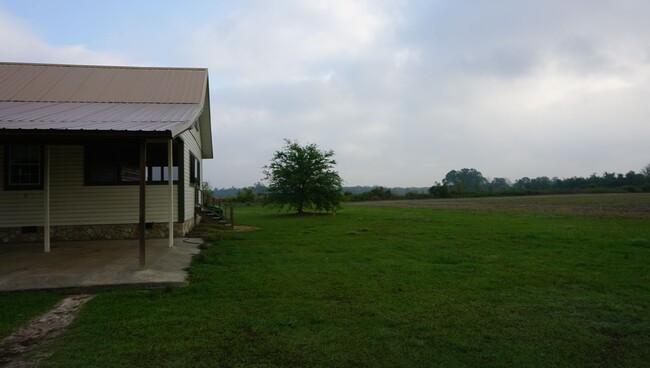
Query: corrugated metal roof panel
(97,99)
(98,116)
(79,83)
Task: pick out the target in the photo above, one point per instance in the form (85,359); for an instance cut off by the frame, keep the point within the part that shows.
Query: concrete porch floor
(94,264)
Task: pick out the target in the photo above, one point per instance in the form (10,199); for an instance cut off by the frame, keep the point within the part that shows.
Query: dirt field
(626,205)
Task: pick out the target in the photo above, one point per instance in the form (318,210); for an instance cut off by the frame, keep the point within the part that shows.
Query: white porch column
(46,199)
(170,176)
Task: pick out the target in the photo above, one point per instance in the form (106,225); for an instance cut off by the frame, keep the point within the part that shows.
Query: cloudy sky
(402,91)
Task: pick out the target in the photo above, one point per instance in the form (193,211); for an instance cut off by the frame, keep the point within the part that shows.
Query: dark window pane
(129,163)
(157,161)
(157,154)
(102,174)
(24,164)
(193,169)
(120,163)
(101,164)
(113,163)
(130,174)
(25,153)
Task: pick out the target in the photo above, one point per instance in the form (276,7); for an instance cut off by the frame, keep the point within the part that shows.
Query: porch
(91,152)
(95,264)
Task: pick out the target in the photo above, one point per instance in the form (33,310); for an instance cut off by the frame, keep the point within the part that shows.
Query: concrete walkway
(94,264)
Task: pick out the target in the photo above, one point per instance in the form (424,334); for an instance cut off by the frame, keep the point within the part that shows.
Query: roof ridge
(103,66)
(107,102)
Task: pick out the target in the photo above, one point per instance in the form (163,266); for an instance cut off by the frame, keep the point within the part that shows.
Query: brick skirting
(92,232)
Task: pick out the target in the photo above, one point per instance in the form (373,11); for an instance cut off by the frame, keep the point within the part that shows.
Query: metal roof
(81,83)
(97,116)
(49,97)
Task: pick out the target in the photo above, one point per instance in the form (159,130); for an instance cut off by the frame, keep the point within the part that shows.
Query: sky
(402,91)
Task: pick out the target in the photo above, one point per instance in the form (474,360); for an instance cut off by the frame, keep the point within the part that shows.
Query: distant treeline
(257,191)
(250,194)
(471,183)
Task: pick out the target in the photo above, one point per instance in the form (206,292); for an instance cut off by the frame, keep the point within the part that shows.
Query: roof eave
(205,125)
(61,136)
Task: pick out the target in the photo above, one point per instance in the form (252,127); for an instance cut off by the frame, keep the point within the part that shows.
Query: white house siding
(192,143)
(73,203)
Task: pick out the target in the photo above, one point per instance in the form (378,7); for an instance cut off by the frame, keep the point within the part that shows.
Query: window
(195,170)
(108,164)
(112,164)
(24,166)
(157,168)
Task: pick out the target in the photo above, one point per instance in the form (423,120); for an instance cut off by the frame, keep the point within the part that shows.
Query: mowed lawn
(381,286)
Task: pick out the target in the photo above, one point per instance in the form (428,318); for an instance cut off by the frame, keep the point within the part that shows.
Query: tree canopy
(470,180)
(646,171)
(303,178)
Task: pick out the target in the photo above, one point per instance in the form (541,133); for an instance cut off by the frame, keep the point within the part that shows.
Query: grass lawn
(389,287)
(18,308)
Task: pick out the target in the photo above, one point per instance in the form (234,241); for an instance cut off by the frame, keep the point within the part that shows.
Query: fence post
(232,216)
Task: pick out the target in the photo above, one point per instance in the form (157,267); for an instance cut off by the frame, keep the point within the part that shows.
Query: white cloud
(405,91)
(19,42)
(271,41)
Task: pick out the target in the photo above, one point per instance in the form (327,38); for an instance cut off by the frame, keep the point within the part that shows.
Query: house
(85,151)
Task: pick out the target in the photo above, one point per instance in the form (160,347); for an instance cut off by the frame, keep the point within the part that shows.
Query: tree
(303,177)
(632,178)
(380,193)
(540,183)
(439,191)
(499,184)
(646,171)
(523,183)
(470,180)
(245,195)
(207,193)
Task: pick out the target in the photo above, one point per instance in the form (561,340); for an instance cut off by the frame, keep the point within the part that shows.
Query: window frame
(119,167)
(117,164)
(7,169)
(175,165)
(195,170)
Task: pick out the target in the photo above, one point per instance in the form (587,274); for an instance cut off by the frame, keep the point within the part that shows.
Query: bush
(630,188)
(440,191)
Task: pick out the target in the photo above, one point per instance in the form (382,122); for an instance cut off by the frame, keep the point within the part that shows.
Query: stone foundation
(93,232)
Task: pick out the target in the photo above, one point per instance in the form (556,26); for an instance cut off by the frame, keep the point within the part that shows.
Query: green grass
(18,308)
(388,287)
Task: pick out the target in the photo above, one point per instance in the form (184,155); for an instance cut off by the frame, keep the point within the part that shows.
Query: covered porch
(90,188)
(100,152)
(95,264)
